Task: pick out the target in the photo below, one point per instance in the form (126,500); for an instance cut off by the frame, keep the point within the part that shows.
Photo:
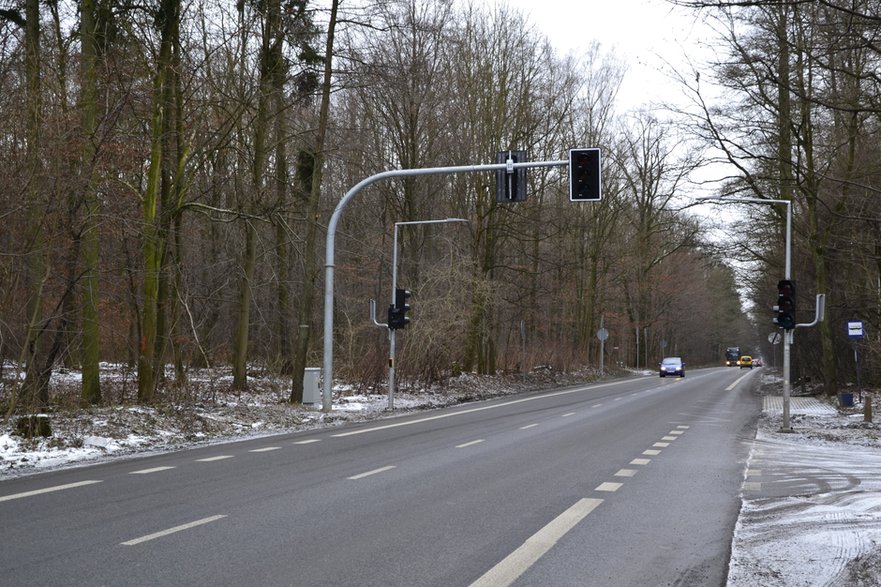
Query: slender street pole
(787,274)
(391,331)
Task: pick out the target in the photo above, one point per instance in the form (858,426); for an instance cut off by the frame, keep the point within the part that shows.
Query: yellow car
(745,361)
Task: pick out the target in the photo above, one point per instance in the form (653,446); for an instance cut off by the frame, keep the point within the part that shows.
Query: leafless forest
(170,168)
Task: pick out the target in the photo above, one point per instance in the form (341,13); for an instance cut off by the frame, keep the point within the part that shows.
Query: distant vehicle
(746,361)
(672,366)
(732,355)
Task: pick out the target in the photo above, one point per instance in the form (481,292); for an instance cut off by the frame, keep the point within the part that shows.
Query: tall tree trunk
(278,73)
(91,355)
(37,268)
(818,237)
(249,260)
(310,267)
(271,34)
(168,22)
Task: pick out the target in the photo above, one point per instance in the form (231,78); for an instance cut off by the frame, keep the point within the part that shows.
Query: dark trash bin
(845,400)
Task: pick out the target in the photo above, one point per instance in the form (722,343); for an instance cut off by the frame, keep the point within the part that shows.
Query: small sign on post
(855,333)
(855,329)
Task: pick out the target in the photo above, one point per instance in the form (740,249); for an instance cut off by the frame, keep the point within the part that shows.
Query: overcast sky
(643,34)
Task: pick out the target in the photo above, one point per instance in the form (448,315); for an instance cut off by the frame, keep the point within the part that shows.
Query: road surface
(628,482)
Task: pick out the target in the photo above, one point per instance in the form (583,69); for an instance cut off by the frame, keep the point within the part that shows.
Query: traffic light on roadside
(585,178)
(785,307)
(397,312)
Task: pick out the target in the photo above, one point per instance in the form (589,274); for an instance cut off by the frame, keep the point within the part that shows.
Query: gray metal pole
(788,335)
(392,333)
(329,252)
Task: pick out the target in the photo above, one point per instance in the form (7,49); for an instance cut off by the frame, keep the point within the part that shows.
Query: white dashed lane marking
(610,487)
(536,546)
(180,528)
(47,490)
(212,459)
(370,473)
(467,444)
(149,471)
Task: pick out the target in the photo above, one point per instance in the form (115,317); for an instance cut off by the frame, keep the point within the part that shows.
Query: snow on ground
(208,412)
(811,498)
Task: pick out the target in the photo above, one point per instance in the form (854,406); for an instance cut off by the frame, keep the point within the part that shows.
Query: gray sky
(642,33)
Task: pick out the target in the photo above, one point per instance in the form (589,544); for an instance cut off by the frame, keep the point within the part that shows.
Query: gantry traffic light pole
(326,398)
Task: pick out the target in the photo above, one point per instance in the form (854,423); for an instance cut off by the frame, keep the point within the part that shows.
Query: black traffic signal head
(585,177)
(785,304)
(511,187)
(397,313)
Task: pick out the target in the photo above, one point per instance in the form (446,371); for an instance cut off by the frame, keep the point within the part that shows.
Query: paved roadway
(629,482)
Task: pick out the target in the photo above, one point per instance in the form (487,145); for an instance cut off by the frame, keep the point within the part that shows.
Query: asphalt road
(630,482)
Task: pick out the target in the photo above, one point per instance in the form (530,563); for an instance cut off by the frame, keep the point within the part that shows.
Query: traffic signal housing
(397,312)
(585,177)
(785,307)
(511,187)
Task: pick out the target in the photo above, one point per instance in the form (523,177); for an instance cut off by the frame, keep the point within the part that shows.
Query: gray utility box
(311,387)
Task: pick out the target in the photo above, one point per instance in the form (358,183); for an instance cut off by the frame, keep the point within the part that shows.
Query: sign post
(602,334)
(855,334)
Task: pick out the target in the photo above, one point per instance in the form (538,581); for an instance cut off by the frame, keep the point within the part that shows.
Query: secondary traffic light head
(511,186)
(785,304)
(397,313)
(585,177)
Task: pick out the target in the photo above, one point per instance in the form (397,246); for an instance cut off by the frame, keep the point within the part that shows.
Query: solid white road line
(480,409)
(536,546)
(162,533)
(373,472)
(47,490)
(212,459)
(148,471)
(738,380)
